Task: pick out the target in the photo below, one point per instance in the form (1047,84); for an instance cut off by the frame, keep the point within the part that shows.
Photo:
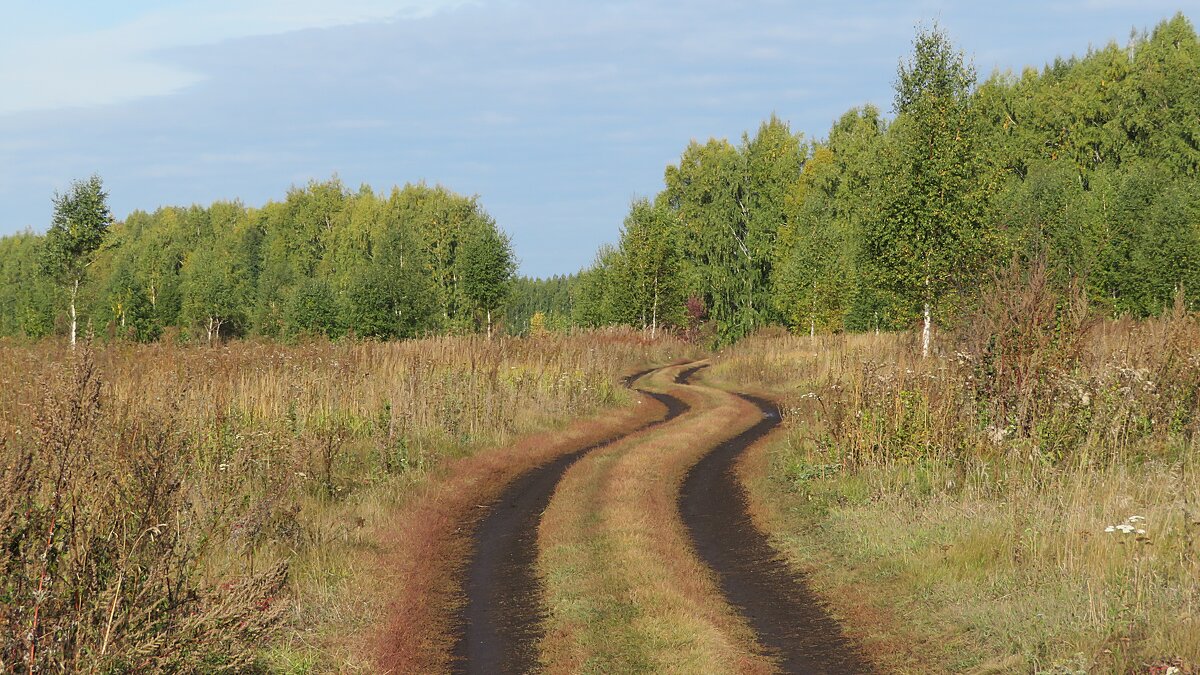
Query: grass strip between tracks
(624,590)
(421,565)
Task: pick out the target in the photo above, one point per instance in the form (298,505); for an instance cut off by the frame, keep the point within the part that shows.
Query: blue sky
(556,113)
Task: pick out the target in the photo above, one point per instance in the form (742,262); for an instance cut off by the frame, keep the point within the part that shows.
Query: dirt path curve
(501,618)
(788,619)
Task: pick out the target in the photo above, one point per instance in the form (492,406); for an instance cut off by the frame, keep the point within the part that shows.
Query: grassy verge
(624,592)
(959,522)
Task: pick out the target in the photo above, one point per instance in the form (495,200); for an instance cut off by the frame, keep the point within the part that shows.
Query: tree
(393,296)
(485,270)
(813,273)
(218,277)
(79,228)
(599,298)
(313,310)
(650,265)
(928,235)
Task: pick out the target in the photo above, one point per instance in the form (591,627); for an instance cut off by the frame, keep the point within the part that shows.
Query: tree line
(1088,165)
(324,261)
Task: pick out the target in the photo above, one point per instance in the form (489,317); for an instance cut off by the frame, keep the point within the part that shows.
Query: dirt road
(501,619)
(626,547)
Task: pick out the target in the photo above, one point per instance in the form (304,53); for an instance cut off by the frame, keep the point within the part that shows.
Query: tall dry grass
(168,508)
(1029,497)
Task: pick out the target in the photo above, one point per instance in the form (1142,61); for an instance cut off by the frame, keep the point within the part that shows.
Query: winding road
(500,625)
(501,619)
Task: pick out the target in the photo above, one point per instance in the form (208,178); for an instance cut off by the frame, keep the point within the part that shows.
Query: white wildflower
(1136,519)
(1141,532)
(223,467)
(1110,528)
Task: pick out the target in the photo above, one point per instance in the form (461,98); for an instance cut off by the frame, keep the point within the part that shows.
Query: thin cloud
(47,69)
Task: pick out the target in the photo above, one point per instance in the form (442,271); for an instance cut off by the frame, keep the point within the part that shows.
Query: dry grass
(970,493)
(246,461)
(624,592)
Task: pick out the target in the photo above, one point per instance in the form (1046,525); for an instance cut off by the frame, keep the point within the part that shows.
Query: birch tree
(79,227)
(928,234)
(650,257)
(486,266)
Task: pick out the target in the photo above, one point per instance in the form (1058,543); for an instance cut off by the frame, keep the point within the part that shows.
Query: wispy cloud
(48,66)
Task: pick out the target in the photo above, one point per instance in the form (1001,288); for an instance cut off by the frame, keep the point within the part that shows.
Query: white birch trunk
(654,312)
(74,324)
(926,333)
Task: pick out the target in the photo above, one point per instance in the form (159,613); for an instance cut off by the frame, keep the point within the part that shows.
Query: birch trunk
(654,312)
(74,325)
(926,333)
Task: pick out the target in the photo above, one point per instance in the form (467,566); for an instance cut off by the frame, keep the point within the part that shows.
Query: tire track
(500,622)
(787,618)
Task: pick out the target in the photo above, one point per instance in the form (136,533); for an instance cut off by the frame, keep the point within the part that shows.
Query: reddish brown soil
(500,623)
(789,621)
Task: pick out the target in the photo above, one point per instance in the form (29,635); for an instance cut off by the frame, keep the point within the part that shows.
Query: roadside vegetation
(1024,501)
(170,508)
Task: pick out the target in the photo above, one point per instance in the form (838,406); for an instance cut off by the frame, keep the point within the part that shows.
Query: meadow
(168,507)
(1023,500)
(1026,500)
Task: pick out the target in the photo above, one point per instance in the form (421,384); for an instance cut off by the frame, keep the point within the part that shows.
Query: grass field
(174,508)
(1026,500)
(1025,503)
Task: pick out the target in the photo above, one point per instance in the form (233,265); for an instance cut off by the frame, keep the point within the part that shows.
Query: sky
(556,113)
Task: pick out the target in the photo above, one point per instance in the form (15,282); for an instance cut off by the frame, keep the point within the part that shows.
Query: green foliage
(420,259)
(28,299)
(80,225)
(551,297)
(599,298)
(650,268)
(1087,167)
(392,297)
(486,266)
(816,275)
(929,237)
(314,310)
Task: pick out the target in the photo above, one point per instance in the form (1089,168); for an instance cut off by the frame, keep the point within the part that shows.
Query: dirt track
(499,624)
(788,619)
